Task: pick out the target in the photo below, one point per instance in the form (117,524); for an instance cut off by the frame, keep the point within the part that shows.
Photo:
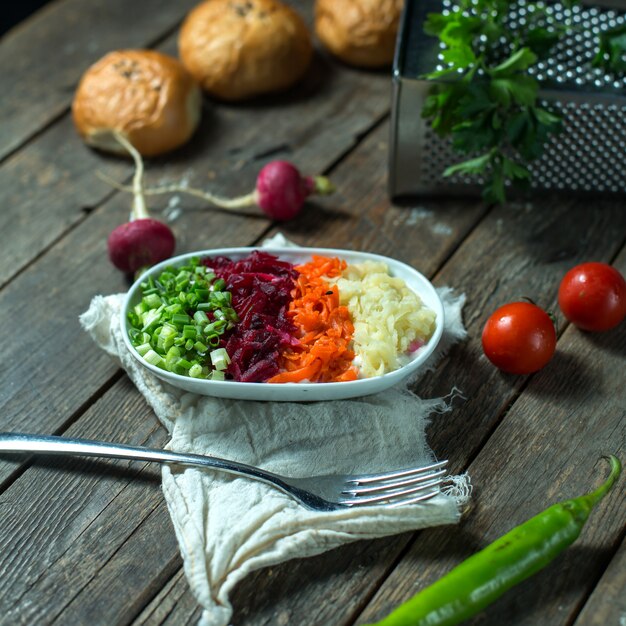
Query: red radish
(140,243)
(280,191)
(143,241)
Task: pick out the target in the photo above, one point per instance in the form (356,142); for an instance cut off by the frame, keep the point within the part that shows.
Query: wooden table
(91,542)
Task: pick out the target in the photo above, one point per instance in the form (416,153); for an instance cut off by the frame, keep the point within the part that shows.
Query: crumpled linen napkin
(229,526)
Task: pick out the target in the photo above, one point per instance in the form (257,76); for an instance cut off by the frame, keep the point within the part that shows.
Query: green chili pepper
(485,576)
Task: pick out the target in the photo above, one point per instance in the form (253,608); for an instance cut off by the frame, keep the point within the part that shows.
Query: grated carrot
(324,328)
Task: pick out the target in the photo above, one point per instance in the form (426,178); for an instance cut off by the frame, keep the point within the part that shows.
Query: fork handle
(51,444)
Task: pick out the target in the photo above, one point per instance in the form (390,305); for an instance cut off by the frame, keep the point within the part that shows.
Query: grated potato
(388,317)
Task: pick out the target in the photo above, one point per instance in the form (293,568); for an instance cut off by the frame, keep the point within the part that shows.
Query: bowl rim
(353,388)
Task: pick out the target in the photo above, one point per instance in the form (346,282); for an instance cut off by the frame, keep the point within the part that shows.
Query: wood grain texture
(87,542)
(607,604)
(360,217)
(547,449)
(49,188)
(231,144)
(528,245)
(172,601)
(521,250)
(51,185)
(78,536)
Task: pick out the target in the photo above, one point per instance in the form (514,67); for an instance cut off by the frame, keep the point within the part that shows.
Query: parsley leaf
(612,53)
(488,103)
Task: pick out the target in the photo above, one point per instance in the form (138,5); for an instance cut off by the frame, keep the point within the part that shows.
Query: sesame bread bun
(147,96)
(359,32)
(238,49)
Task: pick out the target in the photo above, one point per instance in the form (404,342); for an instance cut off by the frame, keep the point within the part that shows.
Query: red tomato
(593,296)
(519,338)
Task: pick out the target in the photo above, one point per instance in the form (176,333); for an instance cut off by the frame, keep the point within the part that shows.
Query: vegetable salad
(261,319)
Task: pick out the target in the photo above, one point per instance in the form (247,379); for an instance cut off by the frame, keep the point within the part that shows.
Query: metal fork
(317,493)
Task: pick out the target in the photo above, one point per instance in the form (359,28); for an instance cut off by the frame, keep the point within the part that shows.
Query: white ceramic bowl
(301,392)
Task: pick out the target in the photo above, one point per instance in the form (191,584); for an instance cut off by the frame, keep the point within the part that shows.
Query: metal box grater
(589,154)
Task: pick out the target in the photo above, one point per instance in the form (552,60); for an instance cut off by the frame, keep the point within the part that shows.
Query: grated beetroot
(261,286)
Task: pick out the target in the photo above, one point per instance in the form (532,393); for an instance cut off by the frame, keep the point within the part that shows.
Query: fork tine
(390,495)
(370,478)
(425,478)
(426,496)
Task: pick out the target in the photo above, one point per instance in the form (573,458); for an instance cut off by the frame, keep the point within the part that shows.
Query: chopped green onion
(215,327)
(201,317)
(179,322)
(140,308)
(213,340)
(143,348)
(189,331)
(195,371)
(151,317)
(153,358)
(200,347)
(220,359)
(181,318)
(153,301)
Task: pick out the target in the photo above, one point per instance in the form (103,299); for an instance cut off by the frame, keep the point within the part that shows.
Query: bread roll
(147,96)
(237,49)
(359,32)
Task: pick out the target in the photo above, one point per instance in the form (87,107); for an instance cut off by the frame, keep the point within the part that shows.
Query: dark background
(14,11)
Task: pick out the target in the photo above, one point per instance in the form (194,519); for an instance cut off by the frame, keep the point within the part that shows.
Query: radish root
(280,190)
(139,210)
(219,201)
(139,192)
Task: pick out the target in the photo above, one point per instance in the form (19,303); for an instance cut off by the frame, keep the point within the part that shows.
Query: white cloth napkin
(228,526)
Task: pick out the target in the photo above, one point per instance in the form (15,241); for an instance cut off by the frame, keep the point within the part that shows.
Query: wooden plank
(59,369)
(186,603)
(547,449)
(304,601)
(521,250)
(49,187)
(148,557)
(516,250)
(41,61)
(607,604)
(326,589)
(55,367)
(51,184)
(313,144)
(360,217)
(173,594)
(50,398)
(67,523)
(53,178)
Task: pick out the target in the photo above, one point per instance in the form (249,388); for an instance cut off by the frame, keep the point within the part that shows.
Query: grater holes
(587,156)
(590,152)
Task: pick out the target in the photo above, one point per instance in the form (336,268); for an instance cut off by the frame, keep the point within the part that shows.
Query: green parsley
(485,99)
(612,53)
